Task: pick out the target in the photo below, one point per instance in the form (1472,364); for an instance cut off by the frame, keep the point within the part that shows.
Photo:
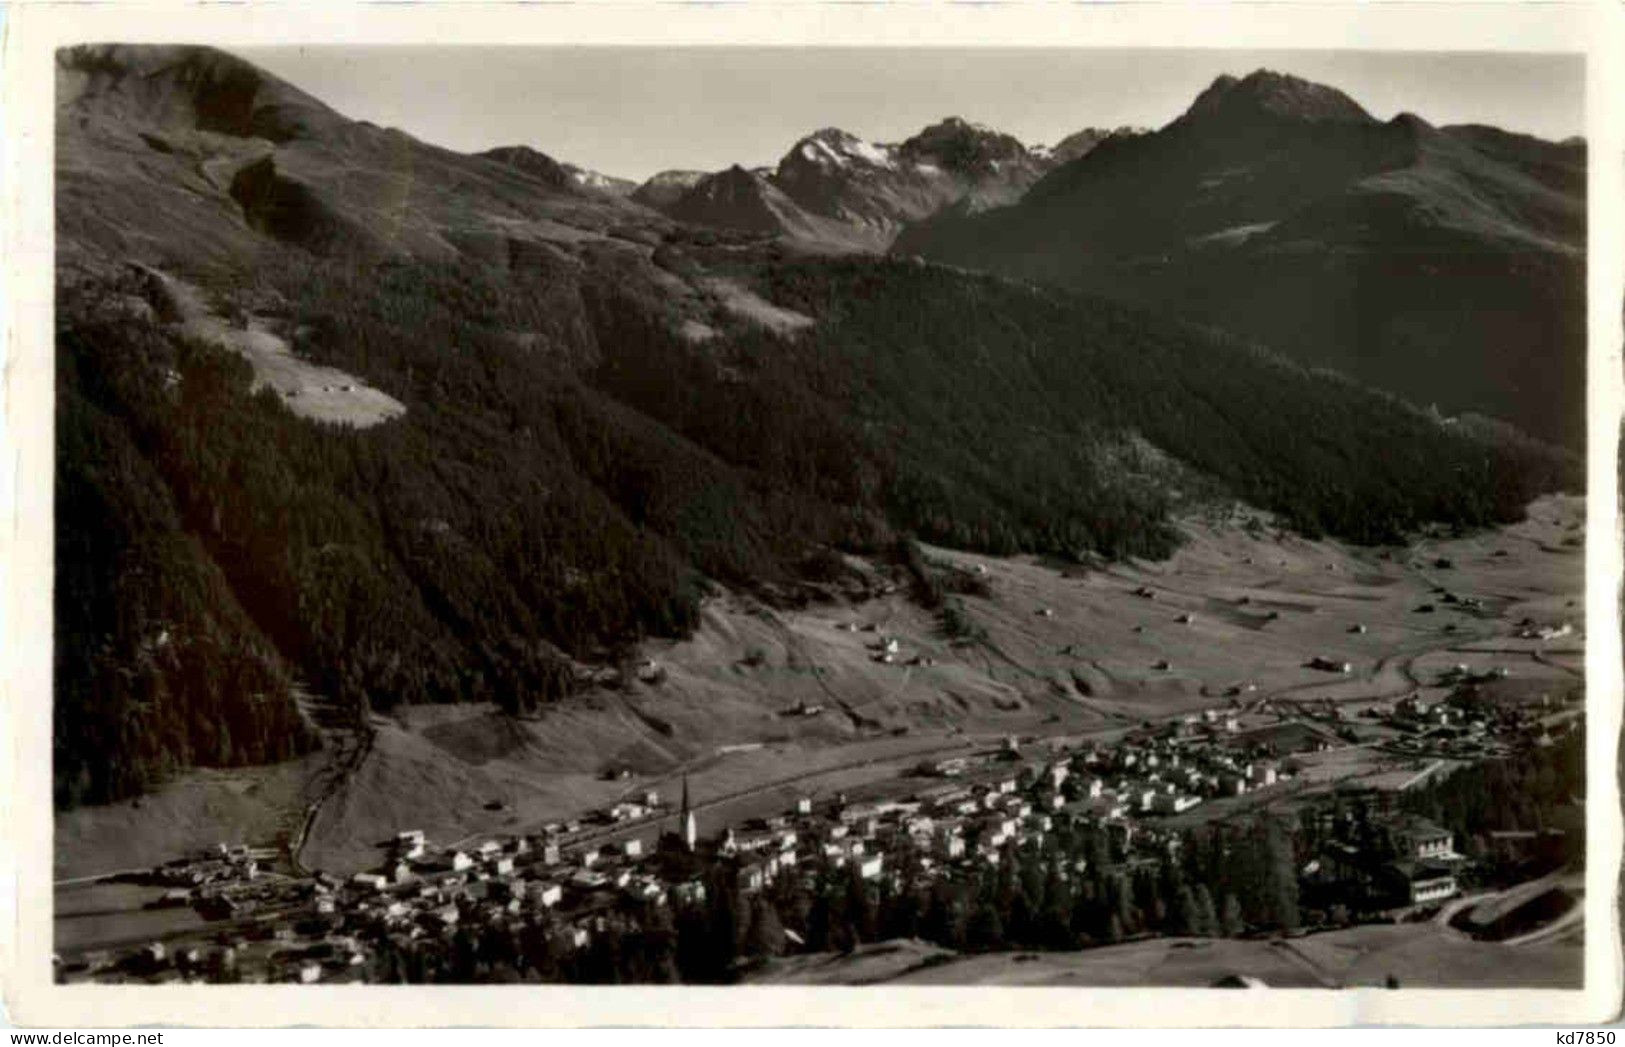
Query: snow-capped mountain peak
(832,147)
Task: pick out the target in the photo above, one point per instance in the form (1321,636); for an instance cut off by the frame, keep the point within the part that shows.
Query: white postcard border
(34,30)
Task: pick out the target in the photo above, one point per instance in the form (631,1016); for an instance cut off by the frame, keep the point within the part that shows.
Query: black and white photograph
(823,516)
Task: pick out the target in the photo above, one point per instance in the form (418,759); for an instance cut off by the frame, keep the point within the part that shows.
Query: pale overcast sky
(634,111)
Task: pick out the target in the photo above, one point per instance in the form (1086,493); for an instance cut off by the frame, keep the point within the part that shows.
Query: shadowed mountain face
(1271,96)
(593,413)
(1446,264)
(748,201)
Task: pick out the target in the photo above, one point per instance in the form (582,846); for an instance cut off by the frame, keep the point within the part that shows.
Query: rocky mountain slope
(664,188)
(835,190)
(1080,143)
(596,181)
(1444,263)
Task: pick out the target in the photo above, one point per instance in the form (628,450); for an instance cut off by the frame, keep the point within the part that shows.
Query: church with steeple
(685,820)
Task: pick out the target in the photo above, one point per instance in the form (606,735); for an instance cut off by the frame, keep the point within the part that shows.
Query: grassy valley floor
(1068,652)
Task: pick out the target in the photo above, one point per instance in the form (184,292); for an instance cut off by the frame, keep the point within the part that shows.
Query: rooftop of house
(1421,871)
(1416,825)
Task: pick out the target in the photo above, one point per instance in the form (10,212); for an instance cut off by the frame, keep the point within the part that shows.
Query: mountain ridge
(1265,94)
(841,192)
(1447,264)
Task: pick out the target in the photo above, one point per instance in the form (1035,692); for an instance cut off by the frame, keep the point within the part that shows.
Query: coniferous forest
(546,500)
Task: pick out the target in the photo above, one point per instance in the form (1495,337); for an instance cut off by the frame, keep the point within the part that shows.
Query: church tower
(686,819)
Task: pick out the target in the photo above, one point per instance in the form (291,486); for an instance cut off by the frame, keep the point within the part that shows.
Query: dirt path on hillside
(349,741)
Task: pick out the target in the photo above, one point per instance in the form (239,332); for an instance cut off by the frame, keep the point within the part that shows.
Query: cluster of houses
(227,863)
(634,810)
(1418,868)
(325,929)
(227,881)
(964,817)
(1456,726)
(1174,773)
(983,804)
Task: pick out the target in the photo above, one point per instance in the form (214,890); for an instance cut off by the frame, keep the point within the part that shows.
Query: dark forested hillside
(156,664)
(514,519)
(595,414)
(530,509)
(1003,405)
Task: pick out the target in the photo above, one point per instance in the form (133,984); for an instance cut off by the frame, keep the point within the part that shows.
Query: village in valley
(1075,808)
(1373,758)
(1140,540)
